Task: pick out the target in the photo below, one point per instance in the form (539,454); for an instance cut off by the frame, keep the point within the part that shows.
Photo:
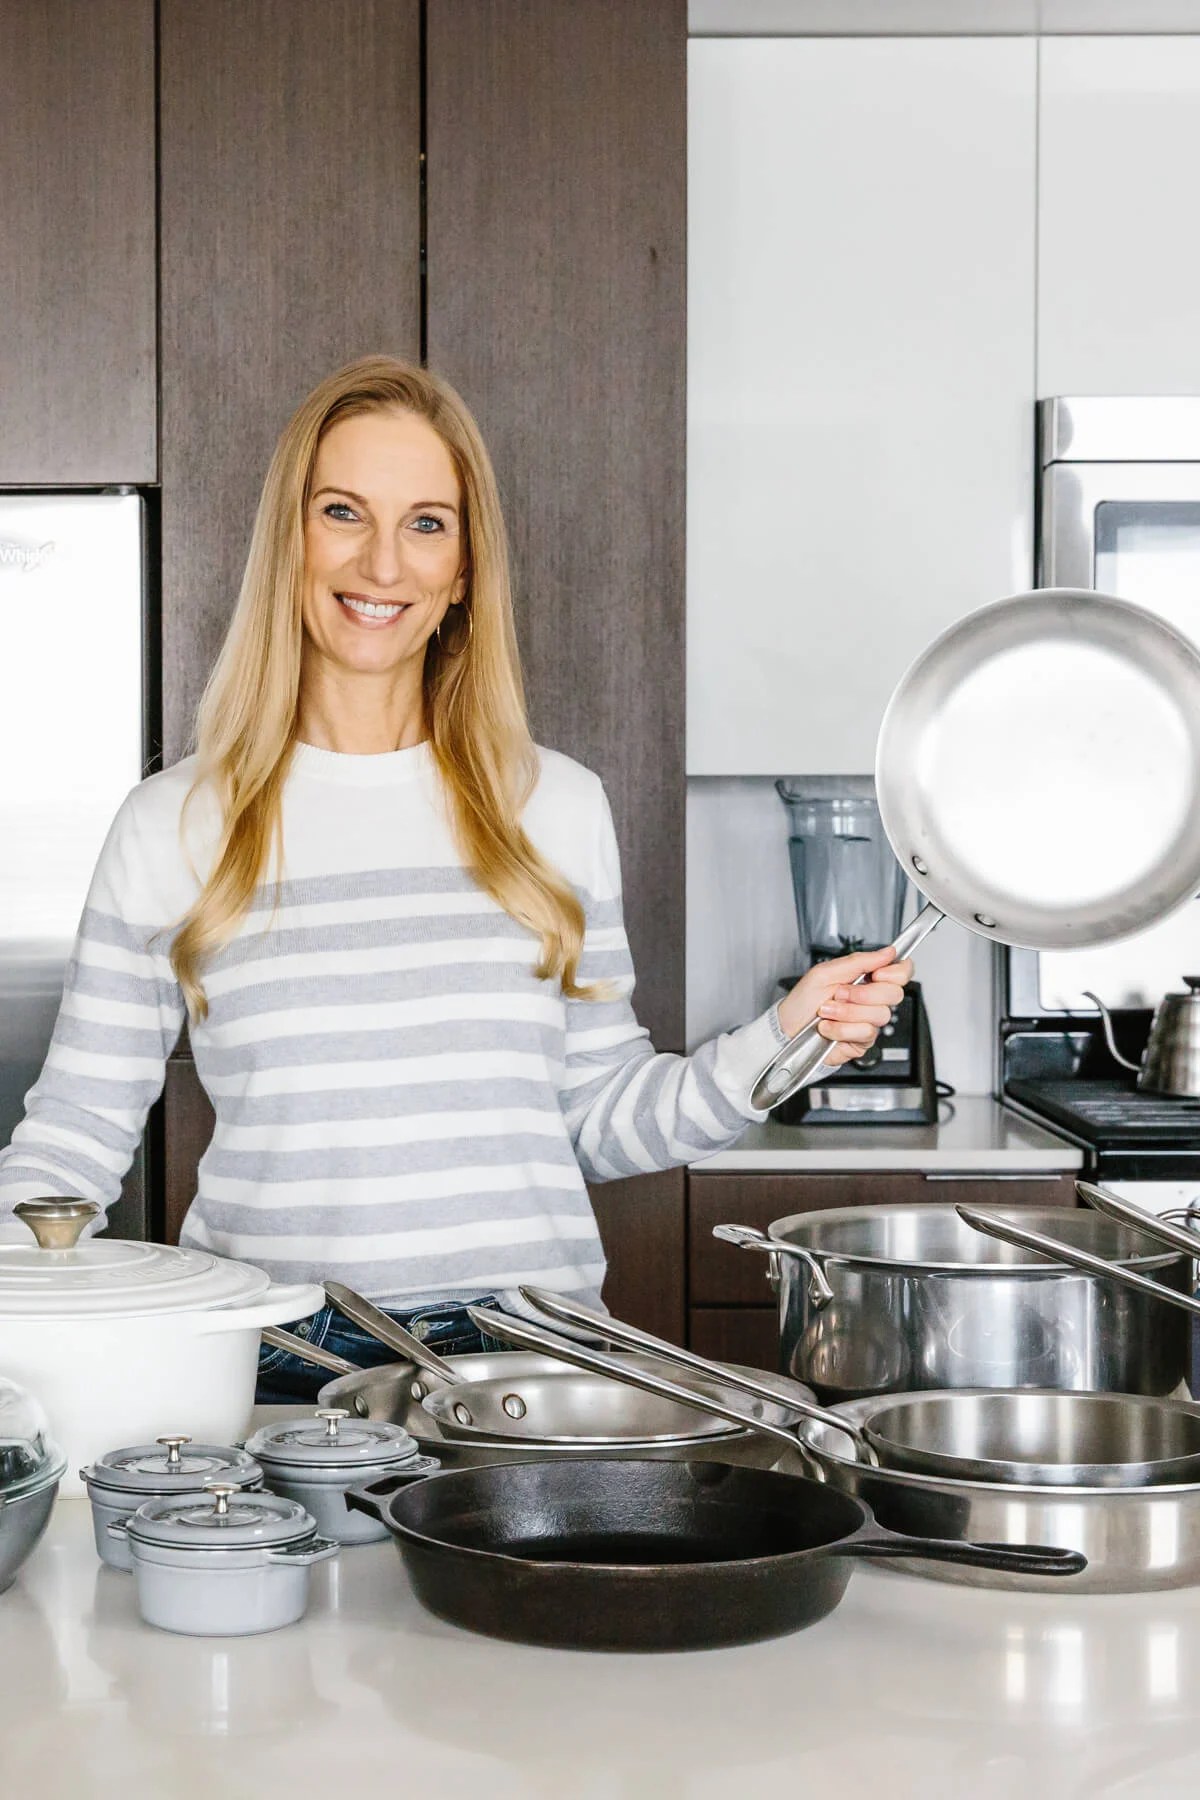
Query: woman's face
(383,541)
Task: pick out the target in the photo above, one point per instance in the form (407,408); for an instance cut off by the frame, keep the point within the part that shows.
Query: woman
(393,923)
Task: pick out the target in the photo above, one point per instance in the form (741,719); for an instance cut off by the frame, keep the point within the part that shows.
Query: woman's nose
(382,562)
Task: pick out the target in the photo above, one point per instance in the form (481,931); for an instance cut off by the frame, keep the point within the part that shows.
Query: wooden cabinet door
(77,278)
(290,243)
(861,369)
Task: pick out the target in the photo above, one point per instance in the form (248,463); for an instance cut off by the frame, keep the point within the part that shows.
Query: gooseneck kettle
(1171,1063)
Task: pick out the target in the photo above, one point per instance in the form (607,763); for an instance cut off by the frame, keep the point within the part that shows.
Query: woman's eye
(425,519)
(338,509)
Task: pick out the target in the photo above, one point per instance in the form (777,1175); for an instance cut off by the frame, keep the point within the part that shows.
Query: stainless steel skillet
(1038,775)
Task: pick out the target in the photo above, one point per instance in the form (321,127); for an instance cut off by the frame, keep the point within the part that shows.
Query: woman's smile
(367,611)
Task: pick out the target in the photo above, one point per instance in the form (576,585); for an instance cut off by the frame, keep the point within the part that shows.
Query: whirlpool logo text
(23,556)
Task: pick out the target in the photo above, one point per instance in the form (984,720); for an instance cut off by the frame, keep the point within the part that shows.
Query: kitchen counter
(909,1688)
(977,1136)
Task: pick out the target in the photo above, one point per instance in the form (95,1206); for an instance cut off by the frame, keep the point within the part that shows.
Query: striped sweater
(400,1103)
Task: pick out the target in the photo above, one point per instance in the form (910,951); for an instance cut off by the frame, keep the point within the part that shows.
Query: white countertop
(976,1135)
(910,1688)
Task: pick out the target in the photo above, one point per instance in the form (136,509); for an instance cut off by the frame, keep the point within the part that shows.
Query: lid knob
(56,1223)
(1193,983)
(221,1491)
(333,1416)
(172,1446)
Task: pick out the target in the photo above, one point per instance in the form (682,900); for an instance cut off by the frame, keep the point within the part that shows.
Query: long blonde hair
(474,704)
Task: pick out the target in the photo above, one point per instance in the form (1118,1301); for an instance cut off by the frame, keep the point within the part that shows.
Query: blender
(850,894)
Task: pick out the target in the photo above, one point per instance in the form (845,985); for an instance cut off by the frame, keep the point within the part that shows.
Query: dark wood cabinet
(729,1295)
(77,276)
(290,243)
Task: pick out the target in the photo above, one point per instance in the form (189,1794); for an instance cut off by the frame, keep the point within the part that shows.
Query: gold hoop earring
(470,634)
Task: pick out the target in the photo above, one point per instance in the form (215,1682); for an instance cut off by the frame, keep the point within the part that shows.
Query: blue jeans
(284,1380)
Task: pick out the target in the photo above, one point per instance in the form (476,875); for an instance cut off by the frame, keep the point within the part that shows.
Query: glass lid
(328,1441)
(220,1517)
(171,1465)
(56,1277)
(29,1457)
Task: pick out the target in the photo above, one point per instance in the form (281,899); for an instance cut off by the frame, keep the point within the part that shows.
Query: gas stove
(1127,1135)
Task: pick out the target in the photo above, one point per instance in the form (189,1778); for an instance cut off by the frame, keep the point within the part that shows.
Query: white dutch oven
(123,1342)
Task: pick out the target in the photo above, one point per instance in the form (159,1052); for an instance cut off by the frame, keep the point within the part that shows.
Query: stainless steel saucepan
(998,800)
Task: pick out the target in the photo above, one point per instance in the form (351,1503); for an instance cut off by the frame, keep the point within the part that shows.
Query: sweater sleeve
(120,1016)
(628,1109)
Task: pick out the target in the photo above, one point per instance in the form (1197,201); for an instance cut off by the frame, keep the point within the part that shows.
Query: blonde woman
(393,922)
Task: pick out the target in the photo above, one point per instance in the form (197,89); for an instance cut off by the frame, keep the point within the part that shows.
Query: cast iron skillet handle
(371,1496)
(746,1237)
(802,1058)
(1015,1559)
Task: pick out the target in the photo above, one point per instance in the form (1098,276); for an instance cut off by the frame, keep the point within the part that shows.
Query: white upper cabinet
(1119,249)
(861,377)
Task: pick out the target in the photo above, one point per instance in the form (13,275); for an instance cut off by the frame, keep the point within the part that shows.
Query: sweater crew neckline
(383,769)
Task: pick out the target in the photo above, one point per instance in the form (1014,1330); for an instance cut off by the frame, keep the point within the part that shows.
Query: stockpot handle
(992,1226)
(746,1237)
(1015,1559)
(802,1058)
(535,1337)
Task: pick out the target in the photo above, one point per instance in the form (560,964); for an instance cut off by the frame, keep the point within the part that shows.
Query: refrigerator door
(72,742)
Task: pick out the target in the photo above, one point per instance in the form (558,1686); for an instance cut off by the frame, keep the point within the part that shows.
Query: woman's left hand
(850,1016)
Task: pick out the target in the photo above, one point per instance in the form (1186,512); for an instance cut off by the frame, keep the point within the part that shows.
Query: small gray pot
(122,1480)
(314,1462)
(207,1567)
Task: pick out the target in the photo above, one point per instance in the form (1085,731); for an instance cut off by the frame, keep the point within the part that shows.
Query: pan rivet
(982,919)
(461,1414)
(514,1406)
(922,868)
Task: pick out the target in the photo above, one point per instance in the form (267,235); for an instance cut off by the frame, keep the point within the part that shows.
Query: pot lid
(29,1457)
(326,1441)
(171,1465)
(220,1516)
(58,1278)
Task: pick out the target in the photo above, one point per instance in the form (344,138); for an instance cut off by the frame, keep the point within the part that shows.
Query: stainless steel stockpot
(889,1299)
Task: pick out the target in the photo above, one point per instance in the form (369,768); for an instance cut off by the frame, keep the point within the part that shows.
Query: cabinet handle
(984,1175)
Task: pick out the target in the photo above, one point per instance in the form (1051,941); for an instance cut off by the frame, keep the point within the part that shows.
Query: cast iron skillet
(629,1555)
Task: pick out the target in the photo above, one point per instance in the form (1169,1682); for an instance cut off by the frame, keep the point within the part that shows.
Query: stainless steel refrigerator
(74,714)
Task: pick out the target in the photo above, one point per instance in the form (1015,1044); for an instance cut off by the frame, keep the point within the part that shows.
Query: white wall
(742,936)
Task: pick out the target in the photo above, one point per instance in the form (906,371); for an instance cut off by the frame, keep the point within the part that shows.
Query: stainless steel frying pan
(1038,774)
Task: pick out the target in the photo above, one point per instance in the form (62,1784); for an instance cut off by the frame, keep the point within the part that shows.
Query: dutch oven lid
(327,1442)
(29,1457)
(220,1517)
(171,1465)
(58,1278)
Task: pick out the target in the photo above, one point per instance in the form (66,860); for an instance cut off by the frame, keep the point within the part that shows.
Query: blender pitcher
(849,888)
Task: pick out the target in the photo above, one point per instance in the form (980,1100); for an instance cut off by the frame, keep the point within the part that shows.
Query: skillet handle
(1049,1247)
(1015,1559)
(371,1496)
(802,1057)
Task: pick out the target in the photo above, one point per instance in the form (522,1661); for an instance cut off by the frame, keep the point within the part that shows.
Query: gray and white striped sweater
(400,1103)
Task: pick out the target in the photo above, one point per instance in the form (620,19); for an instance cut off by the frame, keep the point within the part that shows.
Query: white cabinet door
(1119,249)
(861,367)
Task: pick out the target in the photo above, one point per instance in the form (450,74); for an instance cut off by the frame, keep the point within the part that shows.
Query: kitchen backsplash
(742,934)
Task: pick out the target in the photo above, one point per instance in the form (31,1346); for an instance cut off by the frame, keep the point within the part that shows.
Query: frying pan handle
(1154,1225)
(1014,1559)
(528,1336)
(802,1058)
(1050,1247)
